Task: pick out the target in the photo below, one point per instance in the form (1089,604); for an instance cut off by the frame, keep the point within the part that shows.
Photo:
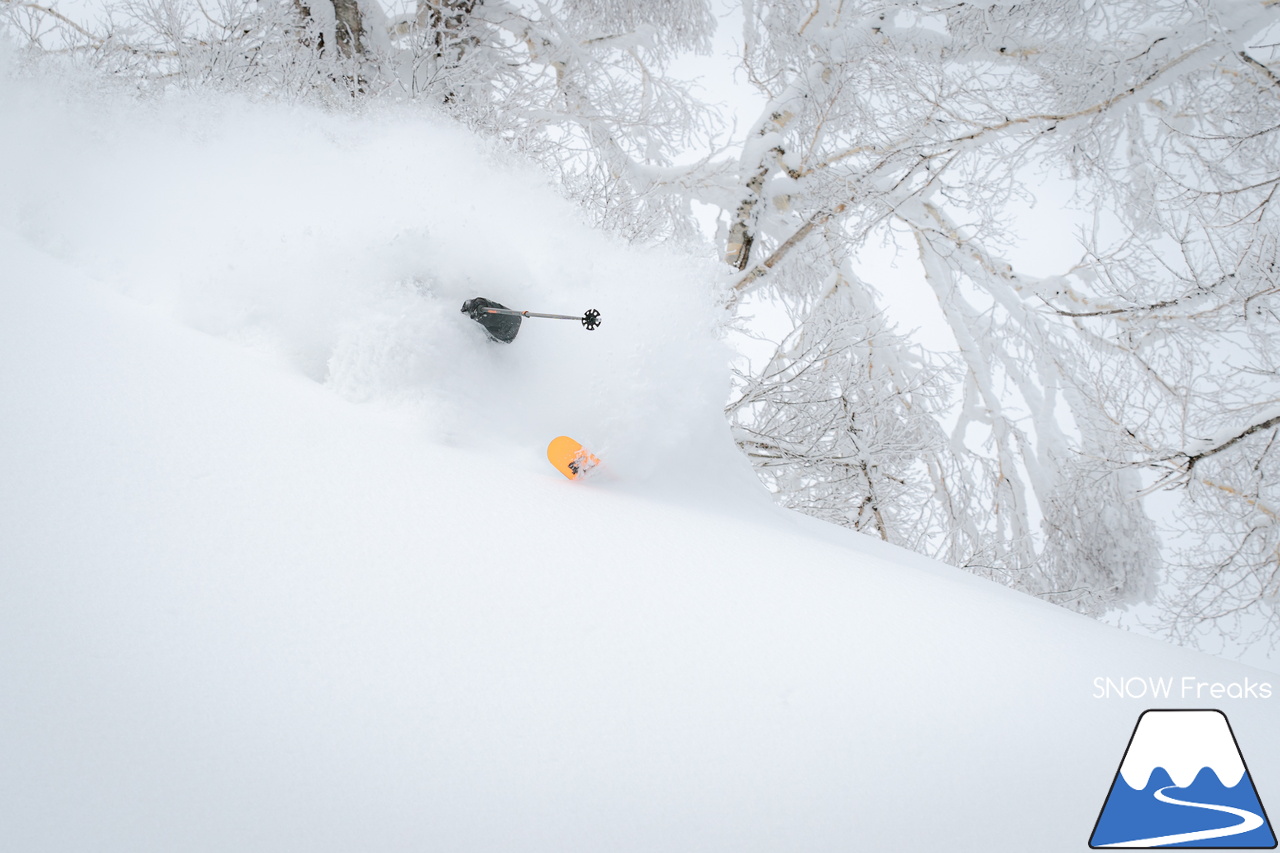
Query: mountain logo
(1183,783)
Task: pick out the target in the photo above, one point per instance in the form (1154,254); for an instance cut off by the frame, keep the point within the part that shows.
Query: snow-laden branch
(1208,447)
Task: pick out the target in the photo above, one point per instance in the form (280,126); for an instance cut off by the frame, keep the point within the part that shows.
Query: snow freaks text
(1185,687)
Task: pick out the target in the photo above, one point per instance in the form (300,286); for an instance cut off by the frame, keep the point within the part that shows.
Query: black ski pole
(591,319)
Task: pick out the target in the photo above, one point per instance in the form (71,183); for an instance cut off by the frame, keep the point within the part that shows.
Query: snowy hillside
(283,567)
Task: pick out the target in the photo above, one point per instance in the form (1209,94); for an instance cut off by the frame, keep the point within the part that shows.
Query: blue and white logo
(1183,783)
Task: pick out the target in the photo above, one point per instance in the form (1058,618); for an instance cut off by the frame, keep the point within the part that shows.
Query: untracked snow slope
(282,567)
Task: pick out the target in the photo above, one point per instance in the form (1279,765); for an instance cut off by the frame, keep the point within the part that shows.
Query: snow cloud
(341,246)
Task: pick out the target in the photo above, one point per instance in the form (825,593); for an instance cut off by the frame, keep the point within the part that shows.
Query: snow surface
(282,566)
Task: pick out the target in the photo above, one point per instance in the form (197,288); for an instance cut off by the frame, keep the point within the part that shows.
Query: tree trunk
(349,27)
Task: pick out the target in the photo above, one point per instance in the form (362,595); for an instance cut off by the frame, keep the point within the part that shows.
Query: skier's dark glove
(475,308)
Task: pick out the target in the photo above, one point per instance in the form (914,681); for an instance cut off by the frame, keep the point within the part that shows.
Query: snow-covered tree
(579,84)
(918,122)
(847,409)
